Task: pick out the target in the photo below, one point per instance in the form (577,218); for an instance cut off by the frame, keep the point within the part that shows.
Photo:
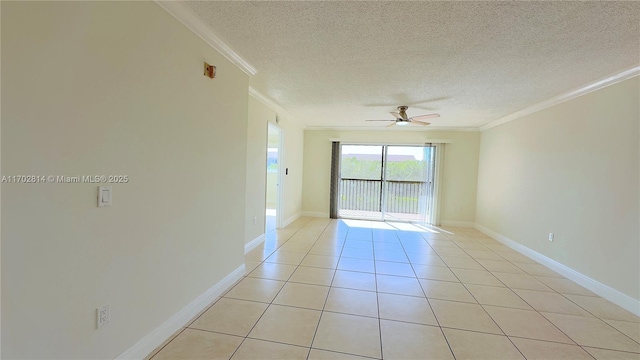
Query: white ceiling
(335,64)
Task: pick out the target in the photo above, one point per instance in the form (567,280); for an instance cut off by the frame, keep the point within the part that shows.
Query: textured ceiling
(335,64)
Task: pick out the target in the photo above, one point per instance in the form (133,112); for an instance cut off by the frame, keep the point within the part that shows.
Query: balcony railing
(365,195)
(359,194)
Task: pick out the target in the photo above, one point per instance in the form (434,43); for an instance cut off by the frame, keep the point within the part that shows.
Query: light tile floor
(345,289)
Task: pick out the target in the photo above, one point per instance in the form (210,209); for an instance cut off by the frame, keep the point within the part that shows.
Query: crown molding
(395,128)
(600,84)
(272,104)
(265,100)
(195,23)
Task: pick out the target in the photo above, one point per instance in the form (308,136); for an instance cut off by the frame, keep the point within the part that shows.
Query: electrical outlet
(255,220)
(550,236)
(103,316)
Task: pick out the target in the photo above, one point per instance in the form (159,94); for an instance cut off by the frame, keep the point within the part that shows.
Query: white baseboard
(155,338)
(253,243)
(287,222)
(624,301)
(319,214)
(463,224)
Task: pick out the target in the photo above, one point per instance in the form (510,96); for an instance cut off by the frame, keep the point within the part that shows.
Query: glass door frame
(383,183)
(429,180)
(275,129)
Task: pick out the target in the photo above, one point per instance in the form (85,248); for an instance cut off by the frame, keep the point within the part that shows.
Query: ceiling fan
(402,119)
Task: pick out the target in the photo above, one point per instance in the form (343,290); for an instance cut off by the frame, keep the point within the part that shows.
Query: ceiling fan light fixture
(401,118)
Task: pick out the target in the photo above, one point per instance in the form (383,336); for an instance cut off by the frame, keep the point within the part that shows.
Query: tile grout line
(377,292)
(375,276)
(491,250)
(313,338)
(265,310)
(515,293)
(425,294)
(429,302)
(601,319)
(534,309)
(285,283)
(526,302)
(486,312)
(155,353)
(482,307)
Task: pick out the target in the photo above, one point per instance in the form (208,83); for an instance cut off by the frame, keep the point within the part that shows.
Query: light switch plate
(104,196)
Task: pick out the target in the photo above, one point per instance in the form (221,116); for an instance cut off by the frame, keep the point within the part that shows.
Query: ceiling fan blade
(396,114)
(379,120)
(425,117)
(392,124)
(424,123)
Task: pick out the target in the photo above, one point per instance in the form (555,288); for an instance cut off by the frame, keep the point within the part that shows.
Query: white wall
(113,88)
(460,168)
(260,115)
(571,169)
(294,140)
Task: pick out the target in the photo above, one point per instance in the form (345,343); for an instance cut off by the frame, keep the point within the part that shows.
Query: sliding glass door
(407,182)
(361,182)
(386,182)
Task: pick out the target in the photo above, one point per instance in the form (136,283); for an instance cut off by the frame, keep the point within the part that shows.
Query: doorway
(386,182)
(273,213)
